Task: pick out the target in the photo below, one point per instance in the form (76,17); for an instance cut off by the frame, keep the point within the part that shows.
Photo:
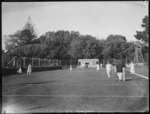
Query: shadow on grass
(18,75)
(129,79)
(31,83)
(38,107)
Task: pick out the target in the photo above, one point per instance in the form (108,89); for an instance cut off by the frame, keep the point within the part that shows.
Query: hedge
(11,71)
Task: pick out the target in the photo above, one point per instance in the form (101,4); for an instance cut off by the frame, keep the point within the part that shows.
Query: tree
(10,42)
(75,48)
(24,36)
(116,38)
(114,46)
(143,35)
(28,34)
(90,49)
(100,48)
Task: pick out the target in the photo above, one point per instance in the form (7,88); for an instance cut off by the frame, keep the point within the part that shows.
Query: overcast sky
(98,19)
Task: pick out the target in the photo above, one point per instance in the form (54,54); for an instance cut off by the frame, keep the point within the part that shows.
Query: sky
(99,19)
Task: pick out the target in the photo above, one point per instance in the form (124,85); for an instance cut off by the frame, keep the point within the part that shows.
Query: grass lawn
(71,91)
(143,70)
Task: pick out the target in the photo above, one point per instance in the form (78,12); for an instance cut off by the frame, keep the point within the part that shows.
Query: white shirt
(108,66)
(29,67)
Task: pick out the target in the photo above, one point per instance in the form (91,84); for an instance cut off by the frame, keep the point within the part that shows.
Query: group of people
(119,68)
(29,69)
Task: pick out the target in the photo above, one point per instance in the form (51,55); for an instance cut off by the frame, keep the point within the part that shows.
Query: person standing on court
(132,65)
(121,71)
(97,67)
(29,69)
(19,70)
(108,69)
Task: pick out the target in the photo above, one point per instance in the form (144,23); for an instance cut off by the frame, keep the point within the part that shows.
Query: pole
(14,61)
(70,65)
(59,62)
(39,62)
(24,62)
(44,62)
(32,61)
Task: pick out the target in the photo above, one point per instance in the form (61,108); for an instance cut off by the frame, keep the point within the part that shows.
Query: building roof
(87,59)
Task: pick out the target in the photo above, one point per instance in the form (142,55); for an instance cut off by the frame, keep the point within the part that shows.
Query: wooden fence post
(39,62)
(24,62)
(32,61)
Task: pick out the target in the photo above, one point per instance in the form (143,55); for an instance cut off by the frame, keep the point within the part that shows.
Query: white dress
(108,69)
(132,68)
(29,68)
(19,71)
(97,67)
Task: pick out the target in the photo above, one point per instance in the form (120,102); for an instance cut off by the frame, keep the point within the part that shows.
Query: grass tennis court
(143,70)
(71,91)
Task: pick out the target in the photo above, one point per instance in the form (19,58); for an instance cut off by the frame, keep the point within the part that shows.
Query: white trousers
(121,75)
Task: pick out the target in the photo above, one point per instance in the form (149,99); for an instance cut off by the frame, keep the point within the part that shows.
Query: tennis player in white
(108,69)
(97,67)
(131,65)
(29,69)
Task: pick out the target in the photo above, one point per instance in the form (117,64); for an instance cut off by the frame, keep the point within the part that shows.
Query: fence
(35,62)
(67,63)
(38,62)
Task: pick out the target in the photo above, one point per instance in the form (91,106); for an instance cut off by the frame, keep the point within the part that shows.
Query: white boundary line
(66,96)
(140,75)
(17,89)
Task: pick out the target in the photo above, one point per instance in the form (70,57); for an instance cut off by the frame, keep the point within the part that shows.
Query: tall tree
(24,36)
(143,35)
(114,46)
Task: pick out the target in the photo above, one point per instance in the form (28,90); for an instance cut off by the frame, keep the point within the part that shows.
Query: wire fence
(35,62)
(67,63)
(38,62)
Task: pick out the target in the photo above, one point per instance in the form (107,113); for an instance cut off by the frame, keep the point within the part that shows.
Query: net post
(57,63)
(49,62)
(17,65)
(14,61)
(32,61)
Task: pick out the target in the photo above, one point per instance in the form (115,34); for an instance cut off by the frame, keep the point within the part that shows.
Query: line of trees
(67,45)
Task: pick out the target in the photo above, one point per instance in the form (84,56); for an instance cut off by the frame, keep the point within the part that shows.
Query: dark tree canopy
(65,45)
(143,35)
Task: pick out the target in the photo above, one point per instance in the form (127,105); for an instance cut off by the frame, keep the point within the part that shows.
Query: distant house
(91,63)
